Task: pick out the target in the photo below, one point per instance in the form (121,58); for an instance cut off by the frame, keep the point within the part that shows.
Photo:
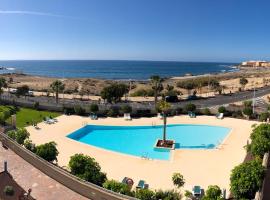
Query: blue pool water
(140,140)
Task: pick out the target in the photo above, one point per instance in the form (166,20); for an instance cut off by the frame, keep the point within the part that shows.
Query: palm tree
(164,107)
(156,85)
(57,86)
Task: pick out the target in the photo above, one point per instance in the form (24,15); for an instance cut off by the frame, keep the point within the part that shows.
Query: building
(256,63)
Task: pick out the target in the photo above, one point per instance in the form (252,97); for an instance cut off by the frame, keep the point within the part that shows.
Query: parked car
(171,99)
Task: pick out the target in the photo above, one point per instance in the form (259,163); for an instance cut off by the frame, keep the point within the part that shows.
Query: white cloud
(25,12)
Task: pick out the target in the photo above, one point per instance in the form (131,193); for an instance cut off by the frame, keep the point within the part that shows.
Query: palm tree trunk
(56,96)
(164,127)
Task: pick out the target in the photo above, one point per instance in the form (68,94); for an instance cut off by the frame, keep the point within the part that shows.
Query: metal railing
(76,184)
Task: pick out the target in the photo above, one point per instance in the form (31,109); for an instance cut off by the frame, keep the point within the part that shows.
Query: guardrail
(76,184)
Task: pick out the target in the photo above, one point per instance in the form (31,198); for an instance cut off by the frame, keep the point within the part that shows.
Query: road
(200,103)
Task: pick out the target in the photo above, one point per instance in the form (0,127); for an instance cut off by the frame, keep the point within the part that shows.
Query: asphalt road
(200,103)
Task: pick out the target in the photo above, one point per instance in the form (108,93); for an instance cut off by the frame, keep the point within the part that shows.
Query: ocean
(113,69)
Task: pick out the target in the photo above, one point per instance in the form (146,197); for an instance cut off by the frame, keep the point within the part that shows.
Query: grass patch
(26,116)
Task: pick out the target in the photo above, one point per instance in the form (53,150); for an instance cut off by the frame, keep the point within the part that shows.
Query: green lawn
(25,116)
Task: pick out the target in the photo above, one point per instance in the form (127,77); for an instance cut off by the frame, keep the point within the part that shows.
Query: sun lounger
(49,120)
(93,116)
(140,184)
(196,190)
(220,116)
(159,116)
(191,114)
(127,116)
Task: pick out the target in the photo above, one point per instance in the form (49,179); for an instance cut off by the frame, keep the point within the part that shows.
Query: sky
(180,30)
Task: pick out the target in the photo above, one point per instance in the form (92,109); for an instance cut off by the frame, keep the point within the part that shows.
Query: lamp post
(253,101)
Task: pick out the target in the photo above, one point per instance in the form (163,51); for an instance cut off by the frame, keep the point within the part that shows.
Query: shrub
(143,93)
(263,117)
(143,112)
(248,111)
(237,114)
(21,135)
(260,137)
(94,108)
(167,195)
(22,90)
(246,179)
(79,110)
(221,109)
(113,112)
(188,194)
(68,111)
(28,144)
(178,180)
(87,168)
(36,105)
(145,194)
(247,103)
(213,192)
(126,109)
(8,190)
(12,134)
(190,107)
(206,111)
(114,92)
(179,110)
(118,187)
(47,151)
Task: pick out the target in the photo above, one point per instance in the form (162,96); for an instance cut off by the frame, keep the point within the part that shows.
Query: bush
(143,93)
(113,112)
(222,109)
(260,137)
(206,111)
(12,134)
(126,109)
(237,114)
(18,135)
(79,110)
(118,187)
(36,105)
(179,110)
(87,168)
(188,194)
(21,135)
(247,103)
(246,179)
(145,194)
(167,195)
(263,117)
(47,151)
(8,190)
(144,112)
(248,111)
(68,111)
(213,192)
(190,107)
(114,92)
(28,144)
(94,108)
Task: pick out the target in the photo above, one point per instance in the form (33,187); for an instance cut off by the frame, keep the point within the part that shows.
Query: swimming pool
(140,140)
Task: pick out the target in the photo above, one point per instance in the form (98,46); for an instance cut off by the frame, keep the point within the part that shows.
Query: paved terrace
(199,167)
(43,187)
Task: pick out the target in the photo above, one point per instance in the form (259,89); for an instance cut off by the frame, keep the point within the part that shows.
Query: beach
(90,88)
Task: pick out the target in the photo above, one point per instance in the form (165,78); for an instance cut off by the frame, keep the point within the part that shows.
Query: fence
(260,194)
(84,188)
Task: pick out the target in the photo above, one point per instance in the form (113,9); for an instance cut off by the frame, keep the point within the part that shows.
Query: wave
(10,68)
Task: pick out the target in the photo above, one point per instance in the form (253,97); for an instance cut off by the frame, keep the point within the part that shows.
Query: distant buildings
(256,64)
